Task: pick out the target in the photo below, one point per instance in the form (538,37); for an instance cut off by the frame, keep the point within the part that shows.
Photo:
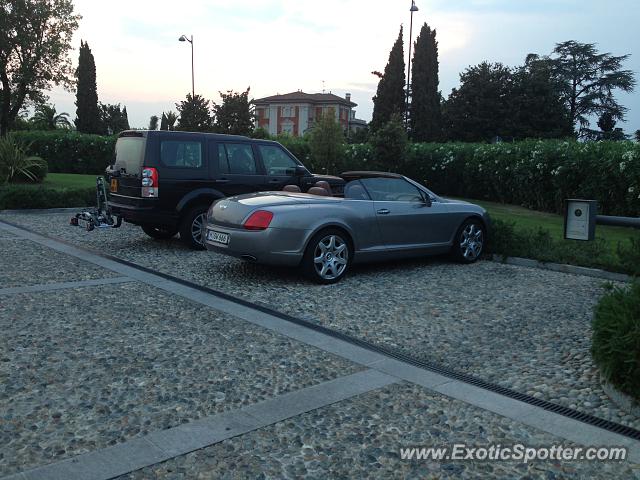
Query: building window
(287,128)
(287,111)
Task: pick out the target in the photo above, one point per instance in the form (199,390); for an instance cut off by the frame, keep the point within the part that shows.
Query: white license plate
(218,237)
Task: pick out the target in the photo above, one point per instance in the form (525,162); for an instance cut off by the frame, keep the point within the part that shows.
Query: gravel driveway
(523,328)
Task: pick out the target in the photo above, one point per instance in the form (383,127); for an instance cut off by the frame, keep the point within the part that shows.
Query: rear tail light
(149,182)
(258,220)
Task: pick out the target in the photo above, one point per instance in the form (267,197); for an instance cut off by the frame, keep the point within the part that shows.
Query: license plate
(114,184)
(218,237)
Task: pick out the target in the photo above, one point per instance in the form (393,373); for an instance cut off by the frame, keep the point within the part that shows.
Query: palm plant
(46,117)
(171,120)
(15,163)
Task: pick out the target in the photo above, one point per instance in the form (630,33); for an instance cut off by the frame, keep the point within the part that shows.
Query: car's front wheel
(192,227)
(159,233)
(327,257)
(469,242)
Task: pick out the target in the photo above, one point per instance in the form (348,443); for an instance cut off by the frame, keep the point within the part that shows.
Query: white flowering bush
(534,174)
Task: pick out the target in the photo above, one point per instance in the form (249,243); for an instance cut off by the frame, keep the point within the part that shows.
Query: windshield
(130,154)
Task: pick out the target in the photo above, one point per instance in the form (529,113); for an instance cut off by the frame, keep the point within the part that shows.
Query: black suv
(165,181)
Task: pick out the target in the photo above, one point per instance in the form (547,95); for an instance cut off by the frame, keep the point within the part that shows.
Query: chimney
(347,97)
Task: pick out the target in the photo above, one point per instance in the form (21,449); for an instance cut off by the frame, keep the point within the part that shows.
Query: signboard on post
(580,219)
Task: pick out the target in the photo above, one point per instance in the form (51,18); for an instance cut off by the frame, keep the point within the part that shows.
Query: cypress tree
(87,112)
(125,119)
(426,115)
(163,122)
(390,99)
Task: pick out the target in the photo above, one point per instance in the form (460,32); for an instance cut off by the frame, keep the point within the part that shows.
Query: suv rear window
(130,154)
(181,154)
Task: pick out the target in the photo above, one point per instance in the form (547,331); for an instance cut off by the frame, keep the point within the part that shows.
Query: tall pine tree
(87,112)
(425,113)
(390,99)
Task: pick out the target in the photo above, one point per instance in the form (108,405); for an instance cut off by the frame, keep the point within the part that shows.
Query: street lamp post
(406,113)
(183,38)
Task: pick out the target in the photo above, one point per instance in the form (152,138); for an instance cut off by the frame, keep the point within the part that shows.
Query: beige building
(296,112)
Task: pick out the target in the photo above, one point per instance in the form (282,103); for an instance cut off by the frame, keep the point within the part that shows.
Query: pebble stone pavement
(145,379)
(522,328)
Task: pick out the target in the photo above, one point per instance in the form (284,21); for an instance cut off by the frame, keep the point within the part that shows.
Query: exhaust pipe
(249,258)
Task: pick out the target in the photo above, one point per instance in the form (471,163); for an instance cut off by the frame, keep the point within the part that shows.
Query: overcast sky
(279,46)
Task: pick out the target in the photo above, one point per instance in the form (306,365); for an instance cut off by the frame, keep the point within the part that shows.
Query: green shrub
(71,152)
(538,244)
(21,196)
(533,174)
(16,164)
(616,338)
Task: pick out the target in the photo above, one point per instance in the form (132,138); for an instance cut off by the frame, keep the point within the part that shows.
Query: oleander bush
(616,338)
(533,174)
(24,196)
(17,164)
(69,151)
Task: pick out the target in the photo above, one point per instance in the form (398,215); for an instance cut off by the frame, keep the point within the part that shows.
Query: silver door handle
(383,211)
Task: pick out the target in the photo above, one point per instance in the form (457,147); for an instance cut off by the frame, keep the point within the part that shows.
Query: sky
(280,46)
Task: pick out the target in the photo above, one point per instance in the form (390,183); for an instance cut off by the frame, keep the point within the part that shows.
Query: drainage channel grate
(389,352)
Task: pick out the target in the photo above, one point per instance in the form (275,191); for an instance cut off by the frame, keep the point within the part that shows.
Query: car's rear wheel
(327,257)
(159,233)
(192,227)
(469,242)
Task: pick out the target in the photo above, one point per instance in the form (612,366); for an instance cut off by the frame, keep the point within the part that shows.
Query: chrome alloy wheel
(471,242)
(330,257)
(197,228)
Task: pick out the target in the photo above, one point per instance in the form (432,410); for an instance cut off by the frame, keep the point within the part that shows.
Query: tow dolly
(100,216)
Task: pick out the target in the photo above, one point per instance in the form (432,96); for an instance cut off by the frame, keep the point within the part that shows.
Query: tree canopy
(425,117)
(35,39)
(46,117)
(326,143)
(234,115)
(113,119)
(88,112)
(194,114)
(390,96)
(153,122)
(589,80)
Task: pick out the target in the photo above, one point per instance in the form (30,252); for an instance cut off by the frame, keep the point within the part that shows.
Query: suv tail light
(149,182)
(258,220)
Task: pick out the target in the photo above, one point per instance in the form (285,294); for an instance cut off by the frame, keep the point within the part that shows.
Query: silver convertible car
(381,216)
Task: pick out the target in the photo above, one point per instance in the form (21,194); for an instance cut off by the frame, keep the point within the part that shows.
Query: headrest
(318,191)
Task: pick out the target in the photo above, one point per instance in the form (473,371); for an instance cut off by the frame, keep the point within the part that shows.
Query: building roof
(315,98)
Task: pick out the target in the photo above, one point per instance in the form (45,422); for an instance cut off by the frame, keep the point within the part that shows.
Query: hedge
(533,174)
(616,338)
(21,196)
(68,151)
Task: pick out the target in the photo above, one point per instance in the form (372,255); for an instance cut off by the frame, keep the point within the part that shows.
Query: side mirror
(301,171)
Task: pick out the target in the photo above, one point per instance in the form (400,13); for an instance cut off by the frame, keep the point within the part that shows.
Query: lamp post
(183,38)
(406,113)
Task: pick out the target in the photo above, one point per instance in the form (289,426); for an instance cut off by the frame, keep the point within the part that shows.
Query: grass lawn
(69,180)
(531,219)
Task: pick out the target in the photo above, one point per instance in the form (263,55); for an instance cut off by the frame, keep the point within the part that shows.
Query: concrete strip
(40,211)
(46,287)
(501,405)
(162,445)
(559,267)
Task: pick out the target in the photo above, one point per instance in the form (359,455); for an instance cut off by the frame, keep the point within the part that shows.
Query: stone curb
(563,268)
(29,211)
(621,399)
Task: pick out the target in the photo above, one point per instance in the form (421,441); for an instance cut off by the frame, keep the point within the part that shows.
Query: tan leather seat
(324,184)
(318,191)
(291,188)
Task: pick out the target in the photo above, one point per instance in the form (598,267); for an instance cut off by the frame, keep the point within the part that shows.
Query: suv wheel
(192,227)
(159,233)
